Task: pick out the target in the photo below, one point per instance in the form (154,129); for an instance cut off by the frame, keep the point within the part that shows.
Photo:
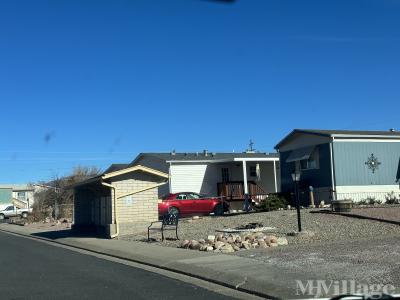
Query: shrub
(369,201)
(273,202)
(391,198)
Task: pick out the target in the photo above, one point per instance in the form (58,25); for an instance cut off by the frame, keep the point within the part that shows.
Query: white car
(12,211)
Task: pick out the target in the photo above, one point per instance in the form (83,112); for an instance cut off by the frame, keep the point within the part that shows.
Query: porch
(235,190)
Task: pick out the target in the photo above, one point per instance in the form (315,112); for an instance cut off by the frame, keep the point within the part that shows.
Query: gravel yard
(319,227)
(384,213)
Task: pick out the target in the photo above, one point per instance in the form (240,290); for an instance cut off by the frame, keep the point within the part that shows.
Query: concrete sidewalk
(241,273)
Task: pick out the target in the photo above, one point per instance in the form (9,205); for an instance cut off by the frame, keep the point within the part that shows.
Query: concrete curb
(244,283)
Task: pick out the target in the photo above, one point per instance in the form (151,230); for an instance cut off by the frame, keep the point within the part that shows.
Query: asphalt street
(35,270)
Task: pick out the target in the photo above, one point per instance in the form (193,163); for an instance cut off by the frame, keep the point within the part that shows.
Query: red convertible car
(187,203)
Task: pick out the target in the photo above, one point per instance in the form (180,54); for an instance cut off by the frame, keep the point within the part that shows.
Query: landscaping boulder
(195,245)
(219,237)
(270,239)
(218,245)
(282,241)
(184,244)
(227,248)
(246,245)
(236,247)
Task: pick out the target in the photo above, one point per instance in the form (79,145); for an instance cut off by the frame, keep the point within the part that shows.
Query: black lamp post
(296,179)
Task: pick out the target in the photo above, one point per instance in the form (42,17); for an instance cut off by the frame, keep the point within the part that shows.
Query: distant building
(19,194)
(341,164)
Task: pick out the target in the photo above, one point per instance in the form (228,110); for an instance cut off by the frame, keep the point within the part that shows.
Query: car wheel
(24,215)
(173,210)
(2,217)
(219,210)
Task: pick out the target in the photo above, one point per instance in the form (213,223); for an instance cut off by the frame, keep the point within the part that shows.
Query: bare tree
(55,199)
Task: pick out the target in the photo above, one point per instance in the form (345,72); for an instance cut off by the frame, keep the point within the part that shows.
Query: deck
(234,190)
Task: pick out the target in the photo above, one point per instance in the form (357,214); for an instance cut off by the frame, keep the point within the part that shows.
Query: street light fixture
(296,178)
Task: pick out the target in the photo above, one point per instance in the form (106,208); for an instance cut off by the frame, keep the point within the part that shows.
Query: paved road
(35,270)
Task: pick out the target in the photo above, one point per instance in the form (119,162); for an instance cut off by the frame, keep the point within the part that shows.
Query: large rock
(210,248)
(236,247)
(218,245)
(184,244)
(195,245)
(246,245)
(273,244)
(202,241)
(219,237)
(227,248)
(230,240)
(282,241)
(270,239)
(263,244)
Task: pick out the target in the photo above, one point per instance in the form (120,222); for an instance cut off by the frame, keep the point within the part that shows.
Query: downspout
(115,209)
(332,170)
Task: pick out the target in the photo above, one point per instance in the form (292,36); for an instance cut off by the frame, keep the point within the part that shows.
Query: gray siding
(350,158)
(318,178)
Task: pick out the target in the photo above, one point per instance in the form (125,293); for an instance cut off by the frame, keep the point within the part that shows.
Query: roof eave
(299,131)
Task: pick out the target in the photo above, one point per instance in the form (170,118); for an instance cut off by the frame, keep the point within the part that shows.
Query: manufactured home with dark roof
(217,174)
(341,163)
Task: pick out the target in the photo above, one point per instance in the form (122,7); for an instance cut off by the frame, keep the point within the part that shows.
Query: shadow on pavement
(60,234)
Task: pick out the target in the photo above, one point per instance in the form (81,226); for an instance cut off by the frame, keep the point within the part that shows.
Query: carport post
(246,189)
(275,180)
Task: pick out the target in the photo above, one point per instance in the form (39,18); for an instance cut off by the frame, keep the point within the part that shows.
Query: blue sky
(96,82)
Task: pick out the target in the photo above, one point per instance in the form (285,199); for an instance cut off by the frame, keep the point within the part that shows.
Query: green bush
(273,202)
(392,199)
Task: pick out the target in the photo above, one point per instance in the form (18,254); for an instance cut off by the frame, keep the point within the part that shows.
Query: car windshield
(199,149)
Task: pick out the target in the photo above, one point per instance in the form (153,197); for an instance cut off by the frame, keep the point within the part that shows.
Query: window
(193,196)
(253,171)
(10,208)
(181,197)
(225,174)
(312,162)
(21,195)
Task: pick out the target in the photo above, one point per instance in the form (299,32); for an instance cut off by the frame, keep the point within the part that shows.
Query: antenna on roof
(251,148)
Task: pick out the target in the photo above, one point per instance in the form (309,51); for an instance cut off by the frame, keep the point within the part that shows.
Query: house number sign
(372,163)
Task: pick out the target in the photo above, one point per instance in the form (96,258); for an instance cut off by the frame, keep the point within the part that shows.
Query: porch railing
(234,190)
